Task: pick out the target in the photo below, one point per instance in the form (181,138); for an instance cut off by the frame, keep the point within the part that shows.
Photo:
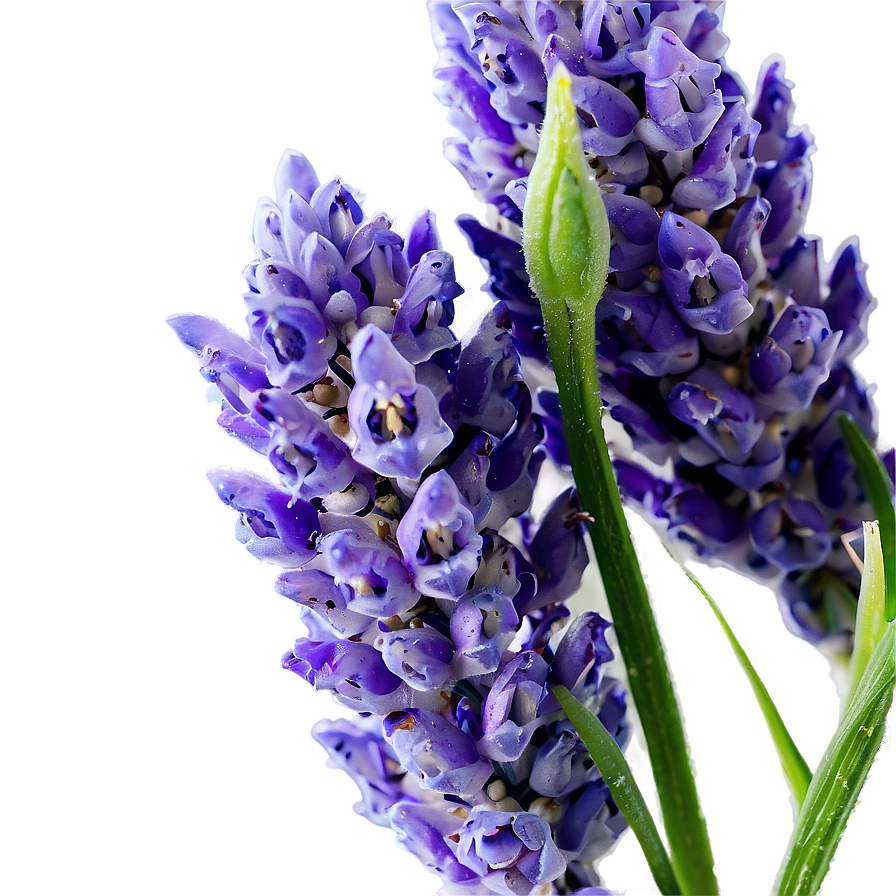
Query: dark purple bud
(583,648)
(514,465)
(272,525)
(634,225)
(849,301)
(773,109)
(562,763)
(788,188)
(636,484)
(397,423)
(437,751)
(791,533)
(588,826)
(799,272)
(556,549)
(422,237)
(702,520)
(742,239)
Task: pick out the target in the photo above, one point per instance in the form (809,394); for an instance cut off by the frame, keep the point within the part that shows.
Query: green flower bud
(566,236)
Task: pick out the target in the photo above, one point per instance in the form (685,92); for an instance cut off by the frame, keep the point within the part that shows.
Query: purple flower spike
(795,358)
(707,192)
(791,533)
(271,525)
(422,657)
(435,750)
(380,582)
(682,101)
(512,852)
(397,423)
(438,540)
(706,285)
(402,453)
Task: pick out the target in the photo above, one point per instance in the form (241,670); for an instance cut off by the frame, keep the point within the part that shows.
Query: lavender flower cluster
(406,462)
(725,340)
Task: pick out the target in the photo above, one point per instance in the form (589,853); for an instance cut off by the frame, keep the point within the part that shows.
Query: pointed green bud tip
(871,613)
(566,236)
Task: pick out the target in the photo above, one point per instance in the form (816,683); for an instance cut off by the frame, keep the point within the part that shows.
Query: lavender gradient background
(150,741)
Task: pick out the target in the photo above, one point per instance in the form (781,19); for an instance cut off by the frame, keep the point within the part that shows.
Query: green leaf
(795,768)
(838,780)
(566,243)
(879,489)
(870,614)
(625,791)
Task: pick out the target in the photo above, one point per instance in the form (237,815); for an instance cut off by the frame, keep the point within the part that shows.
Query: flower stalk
(566,243)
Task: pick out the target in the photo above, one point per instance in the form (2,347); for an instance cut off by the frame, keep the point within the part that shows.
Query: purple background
(150,741)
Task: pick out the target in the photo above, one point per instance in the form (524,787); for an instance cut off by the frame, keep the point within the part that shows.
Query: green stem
(625,791)
(573,354)
(838,781)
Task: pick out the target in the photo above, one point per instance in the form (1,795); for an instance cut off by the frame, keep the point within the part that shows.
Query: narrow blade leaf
(870,613)
(566,244)
(795,768)
(618,777)
(838,780)
(879,489)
